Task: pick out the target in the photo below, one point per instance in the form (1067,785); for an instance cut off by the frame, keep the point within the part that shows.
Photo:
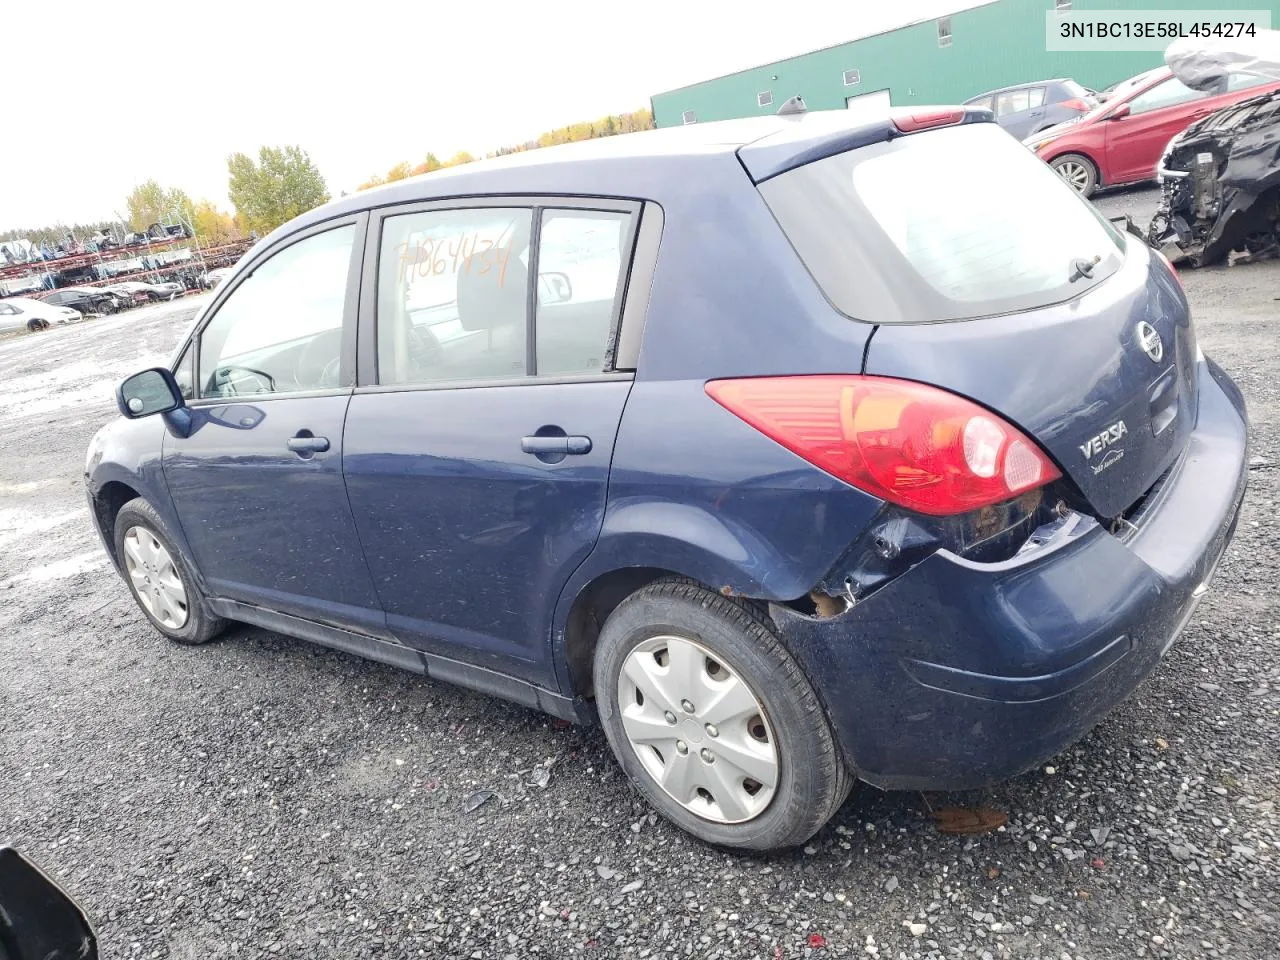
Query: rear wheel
(1079,171)
(107,306)
(159,578)
(714,721)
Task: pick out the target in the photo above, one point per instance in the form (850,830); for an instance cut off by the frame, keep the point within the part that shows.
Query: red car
(1121,140)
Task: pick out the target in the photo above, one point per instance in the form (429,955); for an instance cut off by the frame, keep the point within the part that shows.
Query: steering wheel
(319,361)
(223,381)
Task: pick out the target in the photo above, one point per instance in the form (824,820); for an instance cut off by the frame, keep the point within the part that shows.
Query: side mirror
(554,287)
(149,392)
(38,921)
(1119,113)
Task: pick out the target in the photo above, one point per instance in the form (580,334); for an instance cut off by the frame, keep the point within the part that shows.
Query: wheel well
(106,506)
(591,609)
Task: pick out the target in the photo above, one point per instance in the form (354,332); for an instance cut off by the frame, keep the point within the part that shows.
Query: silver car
(1027,108)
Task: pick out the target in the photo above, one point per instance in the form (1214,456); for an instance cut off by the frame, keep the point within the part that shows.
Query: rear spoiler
(818,134)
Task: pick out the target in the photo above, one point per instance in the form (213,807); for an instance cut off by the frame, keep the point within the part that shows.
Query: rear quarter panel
(693,489)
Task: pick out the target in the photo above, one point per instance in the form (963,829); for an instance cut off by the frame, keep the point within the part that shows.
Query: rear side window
(911,231)
(1013,101)
(1069,88)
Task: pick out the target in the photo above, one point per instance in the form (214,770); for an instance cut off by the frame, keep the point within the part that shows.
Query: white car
(215,277)
(17,313)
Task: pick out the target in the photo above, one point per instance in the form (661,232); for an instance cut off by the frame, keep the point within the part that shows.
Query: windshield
(892,234)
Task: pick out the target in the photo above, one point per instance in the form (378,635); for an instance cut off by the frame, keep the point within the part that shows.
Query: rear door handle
(308,444)
(573,446)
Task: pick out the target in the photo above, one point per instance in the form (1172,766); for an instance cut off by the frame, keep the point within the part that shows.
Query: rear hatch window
(948,224)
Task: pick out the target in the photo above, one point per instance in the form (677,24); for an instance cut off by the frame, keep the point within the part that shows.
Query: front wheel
(1079,172)
(159,578)
(714,721)
(35,326)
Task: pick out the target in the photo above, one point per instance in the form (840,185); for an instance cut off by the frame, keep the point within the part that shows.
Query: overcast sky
(99,97)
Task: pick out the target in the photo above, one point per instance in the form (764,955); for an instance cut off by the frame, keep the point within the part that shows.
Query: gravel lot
(264,797)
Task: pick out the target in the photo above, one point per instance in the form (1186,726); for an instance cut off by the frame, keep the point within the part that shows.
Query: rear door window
(1035,97)
(453,295)
(1012,101)
(893,234)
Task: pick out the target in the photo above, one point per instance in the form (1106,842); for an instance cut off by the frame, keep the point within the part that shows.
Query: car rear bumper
(959,674)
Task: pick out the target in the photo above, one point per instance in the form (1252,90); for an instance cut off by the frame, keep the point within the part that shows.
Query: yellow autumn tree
(604,127)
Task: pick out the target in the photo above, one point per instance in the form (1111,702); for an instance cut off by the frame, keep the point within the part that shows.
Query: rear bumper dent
(959,674)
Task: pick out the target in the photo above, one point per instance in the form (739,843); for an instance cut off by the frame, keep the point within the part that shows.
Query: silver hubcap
(1075,174)
(154,577)
(698,729)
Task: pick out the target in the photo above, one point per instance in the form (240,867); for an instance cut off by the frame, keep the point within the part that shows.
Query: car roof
(1017,86)
(646,165)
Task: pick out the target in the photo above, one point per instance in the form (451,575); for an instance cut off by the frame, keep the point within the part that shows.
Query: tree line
(283,183)
(604,127)
(279,186)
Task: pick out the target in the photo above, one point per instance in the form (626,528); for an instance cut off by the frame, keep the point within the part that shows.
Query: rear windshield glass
(946,224)
(1074,89)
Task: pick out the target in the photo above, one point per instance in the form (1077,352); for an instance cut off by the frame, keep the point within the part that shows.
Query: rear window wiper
(1083,268)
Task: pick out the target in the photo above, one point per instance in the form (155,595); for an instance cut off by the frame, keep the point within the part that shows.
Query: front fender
(130,452)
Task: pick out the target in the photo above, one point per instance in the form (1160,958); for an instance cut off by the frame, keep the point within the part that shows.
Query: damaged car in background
(1220,178)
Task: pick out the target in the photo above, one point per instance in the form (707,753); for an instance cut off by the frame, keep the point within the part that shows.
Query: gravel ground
(263,797)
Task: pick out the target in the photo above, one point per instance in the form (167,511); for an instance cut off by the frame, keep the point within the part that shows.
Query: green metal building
(944,60)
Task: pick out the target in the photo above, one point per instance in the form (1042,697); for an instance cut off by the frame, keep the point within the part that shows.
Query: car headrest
(490,296)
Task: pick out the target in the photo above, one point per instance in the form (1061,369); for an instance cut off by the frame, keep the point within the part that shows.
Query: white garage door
(876,101)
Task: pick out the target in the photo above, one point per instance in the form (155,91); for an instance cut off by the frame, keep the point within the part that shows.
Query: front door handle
(308,444)
(572,446)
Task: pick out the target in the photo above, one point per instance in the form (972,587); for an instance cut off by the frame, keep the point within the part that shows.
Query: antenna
(794,105)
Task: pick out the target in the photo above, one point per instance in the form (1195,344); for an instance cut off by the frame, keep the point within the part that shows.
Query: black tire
(34,325)
(201,625)
(812,780)
(107,307)
(1084,172)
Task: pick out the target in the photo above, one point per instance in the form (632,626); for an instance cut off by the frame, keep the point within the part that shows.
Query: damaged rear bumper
(959,674)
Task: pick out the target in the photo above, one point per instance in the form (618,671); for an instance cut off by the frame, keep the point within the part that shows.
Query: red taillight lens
(908,443)
(922,120)
(1075,103)
(1172,269)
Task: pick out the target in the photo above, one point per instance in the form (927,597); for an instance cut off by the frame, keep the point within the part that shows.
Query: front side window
(280,331)
(453,295)
(580,257)
(1168,93)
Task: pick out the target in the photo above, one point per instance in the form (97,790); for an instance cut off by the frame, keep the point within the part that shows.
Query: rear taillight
(923,119)
(911,444)
(1075,103)
(1172,269)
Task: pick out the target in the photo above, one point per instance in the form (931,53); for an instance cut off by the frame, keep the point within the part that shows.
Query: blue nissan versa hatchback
(773,445)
